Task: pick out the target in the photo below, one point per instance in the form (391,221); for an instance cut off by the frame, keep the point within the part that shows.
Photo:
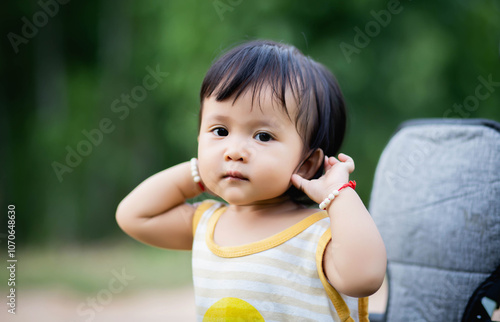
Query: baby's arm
(155,212)
(355,259)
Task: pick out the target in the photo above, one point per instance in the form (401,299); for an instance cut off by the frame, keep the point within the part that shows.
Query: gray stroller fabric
(436,202)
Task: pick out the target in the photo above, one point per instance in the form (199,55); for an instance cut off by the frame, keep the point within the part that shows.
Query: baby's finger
(333,160)
(299,182)
(344,157)
(327,164)
(347,160)
(330,162)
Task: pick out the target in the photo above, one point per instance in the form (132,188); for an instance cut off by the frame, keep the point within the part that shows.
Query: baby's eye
(220,131)
(263,136)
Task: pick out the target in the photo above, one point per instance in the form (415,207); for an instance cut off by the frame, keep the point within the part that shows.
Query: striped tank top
(279,278)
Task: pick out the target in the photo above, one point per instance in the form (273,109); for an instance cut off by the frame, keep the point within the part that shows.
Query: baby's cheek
(209,180)
(278,180)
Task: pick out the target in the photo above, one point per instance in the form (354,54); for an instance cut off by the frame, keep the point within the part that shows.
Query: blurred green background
(80,128)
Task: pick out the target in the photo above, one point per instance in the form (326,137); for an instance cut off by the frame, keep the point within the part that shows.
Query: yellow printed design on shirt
(230,309)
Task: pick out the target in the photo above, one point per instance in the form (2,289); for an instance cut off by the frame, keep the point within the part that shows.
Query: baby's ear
(312,164)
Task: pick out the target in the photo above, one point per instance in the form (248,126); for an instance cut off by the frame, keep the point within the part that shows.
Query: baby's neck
(239,224)
(265,208)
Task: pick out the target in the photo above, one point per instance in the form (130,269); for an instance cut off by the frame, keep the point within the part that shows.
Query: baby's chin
(237,198)
(237,201)
(241,195)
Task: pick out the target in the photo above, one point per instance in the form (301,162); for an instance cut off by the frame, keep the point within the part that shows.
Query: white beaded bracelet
(195,174)
(334,194)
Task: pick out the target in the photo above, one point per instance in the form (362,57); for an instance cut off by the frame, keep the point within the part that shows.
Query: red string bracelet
(196,174)
(335,193)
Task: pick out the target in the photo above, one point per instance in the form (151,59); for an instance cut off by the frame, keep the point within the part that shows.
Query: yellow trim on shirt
(338,302)
(200,210)
(259,246)
(363,309)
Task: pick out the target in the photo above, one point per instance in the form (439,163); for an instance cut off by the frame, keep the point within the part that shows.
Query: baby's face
(247,153)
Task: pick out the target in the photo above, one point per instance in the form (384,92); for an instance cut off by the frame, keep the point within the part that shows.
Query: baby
(271,121)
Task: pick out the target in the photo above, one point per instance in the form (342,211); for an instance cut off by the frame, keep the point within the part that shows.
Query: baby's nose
(236,151)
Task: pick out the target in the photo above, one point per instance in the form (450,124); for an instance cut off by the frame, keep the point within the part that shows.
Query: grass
(88,269)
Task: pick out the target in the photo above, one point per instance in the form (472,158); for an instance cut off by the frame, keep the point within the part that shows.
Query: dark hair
(321,117)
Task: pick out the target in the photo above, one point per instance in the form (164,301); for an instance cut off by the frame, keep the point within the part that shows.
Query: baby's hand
(336,174)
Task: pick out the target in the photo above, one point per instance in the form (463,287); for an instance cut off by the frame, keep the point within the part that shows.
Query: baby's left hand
(336,174)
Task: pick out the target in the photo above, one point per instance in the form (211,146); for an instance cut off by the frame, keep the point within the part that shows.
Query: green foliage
(64,80)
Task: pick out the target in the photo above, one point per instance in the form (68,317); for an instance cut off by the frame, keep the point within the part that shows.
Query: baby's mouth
(234,175)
